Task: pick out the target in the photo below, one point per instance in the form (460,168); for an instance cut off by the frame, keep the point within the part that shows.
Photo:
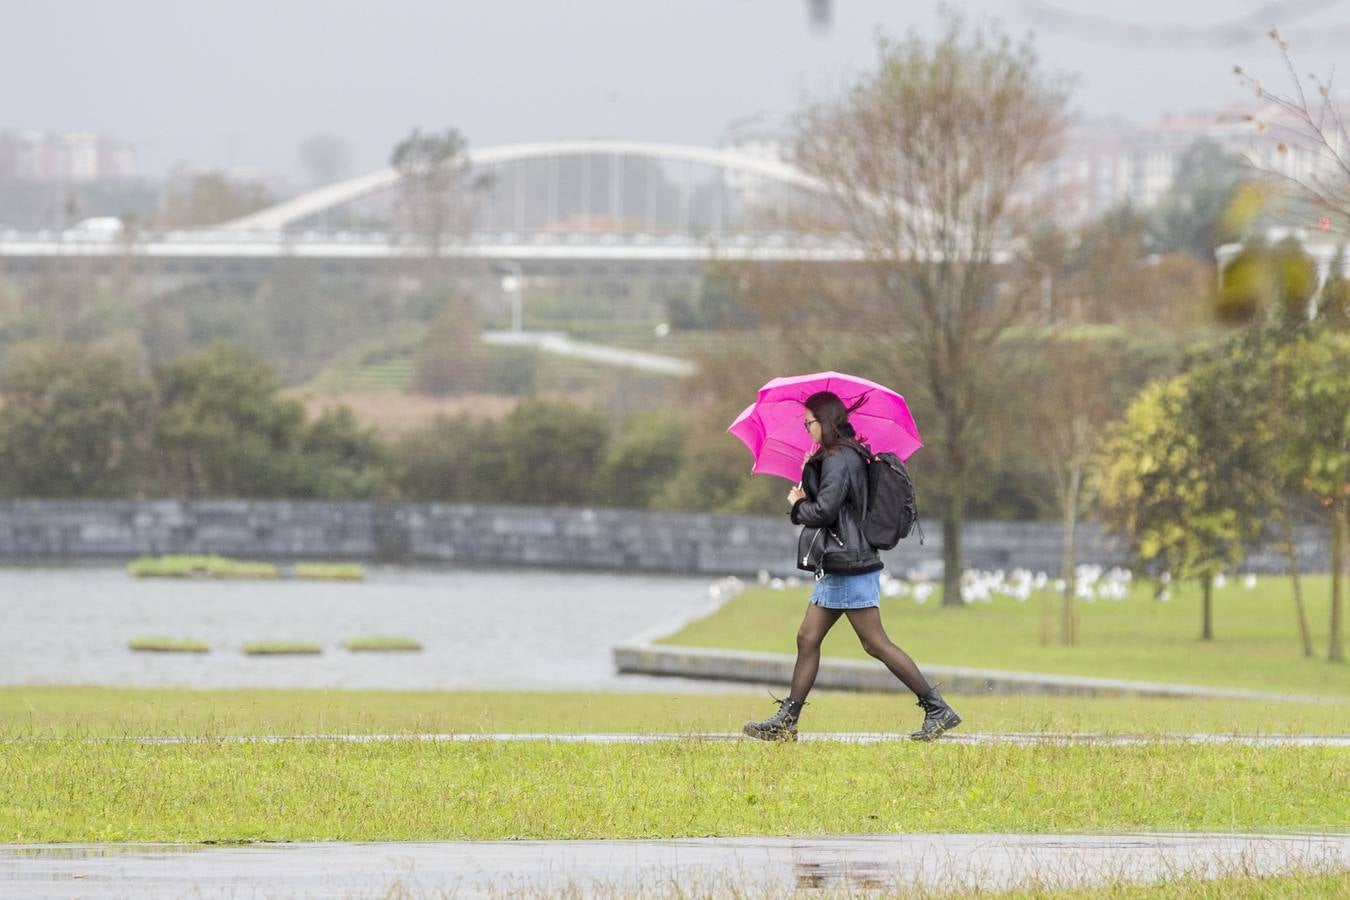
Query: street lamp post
(513,282)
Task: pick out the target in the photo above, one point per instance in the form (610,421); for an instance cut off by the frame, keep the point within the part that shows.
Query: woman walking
(830,502)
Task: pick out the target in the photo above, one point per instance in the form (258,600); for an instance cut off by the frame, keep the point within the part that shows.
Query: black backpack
(892,507)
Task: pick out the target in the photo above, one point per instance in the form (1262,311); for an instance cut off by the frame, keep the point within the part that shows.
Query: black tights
(867,625)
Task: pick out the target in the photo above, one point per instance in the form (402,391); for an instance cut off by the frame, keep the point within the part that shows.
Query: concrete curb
(855,675)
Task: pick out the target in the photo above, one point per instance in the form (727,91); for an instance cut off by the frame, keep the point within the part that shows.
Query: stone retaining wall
(553,537)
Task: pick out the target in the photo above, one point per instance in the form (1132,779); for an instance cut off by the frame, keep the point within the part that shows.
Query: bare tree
(435,185)
(926,158)
(208,198)
(1314,126)
(1069,409)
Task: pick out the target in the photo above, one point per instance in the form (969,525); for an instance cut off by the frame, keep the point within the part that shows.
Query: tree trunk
(1068,630)
(1047,618)
(1207,590)
(1340,512)
(1291,552)
(952,515)
(1075,613)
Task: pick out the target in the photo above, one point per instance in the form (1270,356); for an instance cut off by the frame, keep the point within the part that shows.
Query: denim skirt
(848,591)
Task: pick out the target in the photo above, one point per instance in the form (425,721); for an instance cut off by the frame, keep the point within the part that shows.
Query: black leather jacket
(832,541)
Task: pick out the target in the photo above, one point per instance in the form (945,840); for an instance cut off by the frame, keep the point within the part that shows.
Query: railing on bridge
(374,245)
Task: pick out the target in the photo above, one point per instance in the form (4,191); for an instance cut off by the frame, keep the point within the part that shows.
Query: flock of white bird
(1091,583)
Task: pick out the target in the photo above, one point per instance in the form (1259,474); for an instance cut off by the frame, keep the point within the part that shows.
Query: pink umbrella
(772,426)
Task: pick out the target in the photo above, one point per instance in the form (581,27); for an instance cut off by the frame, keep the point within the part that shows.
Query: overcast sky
(239,84)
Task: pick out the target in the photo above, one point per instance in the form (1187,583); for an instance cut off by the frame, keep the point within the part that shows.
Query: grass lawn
(1256,645)
(65,711)
(1323,885)
(74,790)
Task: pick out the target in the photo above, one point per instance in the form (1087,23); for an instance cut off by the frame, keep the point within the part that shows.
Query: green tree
(1262,279)
(1191,216)
(643,459)
(714,472)
(450,360)
(550,452)
(73,422)
(452,460)
(1333,304)
(713,475)
(343,459)
(1315,450)
(222,431)
(1236,404)
(1157,490)
(925,158)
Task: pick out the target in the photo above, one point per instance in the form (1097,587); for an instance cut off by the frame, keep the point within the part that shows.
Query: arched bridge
(543,205)
(625,184)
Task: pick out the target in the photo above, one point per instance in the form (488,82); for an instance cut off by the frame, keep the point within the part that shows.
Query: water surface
(479,629)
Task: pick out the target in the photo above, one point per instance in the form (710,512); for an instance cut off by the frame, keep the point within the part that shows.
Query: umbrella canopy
(772,426)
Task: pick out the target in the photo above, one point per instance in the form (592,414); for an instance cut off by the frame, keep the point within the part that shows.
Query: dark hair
(830,411)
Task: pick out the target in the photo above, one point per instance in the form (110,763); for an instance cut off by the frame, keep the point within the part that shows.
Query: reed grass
(281,648)
(187,566)
(379,644)
(167,645)
(329,571)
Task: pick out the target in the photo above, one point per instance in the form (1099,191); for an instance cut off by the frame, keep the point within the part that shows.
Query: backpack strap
(866,453)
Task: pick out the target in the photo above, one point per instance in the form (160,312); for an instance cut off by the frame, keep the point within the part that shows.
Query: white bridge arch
(574,230)
(313,203)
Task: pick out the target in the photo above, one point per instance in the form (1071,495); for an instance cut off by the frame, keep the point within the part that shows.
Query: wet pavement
(717,866)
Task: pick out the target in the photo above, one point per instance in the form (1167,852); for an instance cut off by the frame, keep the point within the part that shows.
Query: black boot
(781,726)
(937,717)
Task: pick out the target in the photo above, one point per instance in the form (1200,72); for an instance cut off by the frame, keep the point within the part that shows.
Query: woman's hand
(796,494)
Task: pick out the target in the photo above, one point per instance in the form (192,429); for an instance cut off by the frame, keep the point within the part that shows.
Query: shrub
(641,462)
(549,453)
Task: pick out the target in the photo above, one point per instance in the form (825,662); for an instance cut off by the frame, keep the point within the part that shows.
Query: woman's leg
(815,625)
(782,725)
(867,624)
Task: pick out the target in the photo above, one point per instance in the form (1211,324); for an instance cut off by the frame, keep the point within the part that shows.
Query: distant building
(1104,163)
(1107,163)
(63,156)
